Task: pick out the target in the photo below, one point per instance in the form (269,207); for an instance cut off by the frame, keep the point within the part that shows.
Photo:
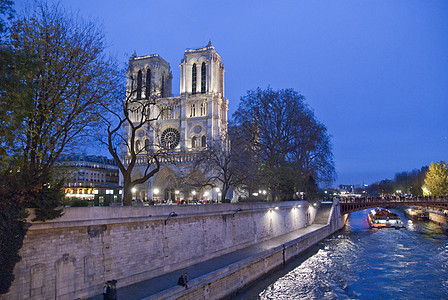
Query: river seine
(363,263)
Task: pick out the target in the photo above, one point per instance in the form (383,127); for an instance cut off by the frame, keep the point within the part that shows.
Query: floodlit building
(85,172)
(185,123)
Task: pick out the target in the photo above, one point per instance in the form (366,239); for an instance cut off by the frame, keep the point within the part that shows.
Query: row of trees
(432,180)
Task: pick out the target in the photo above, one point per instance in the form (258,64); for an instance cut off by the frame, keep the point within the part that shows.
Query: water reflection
(363,263)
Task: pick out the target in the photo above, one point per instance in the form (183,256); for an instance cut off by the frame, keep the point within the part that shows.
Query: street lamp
(217,190)
(156,192)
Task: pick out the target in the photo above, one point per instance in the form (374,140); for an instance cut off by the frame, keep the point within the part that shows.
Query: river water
(363,263)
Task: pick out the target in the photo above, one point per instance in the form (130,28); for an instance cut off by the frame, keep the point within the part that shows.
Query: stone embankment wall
(438,218)
(71,257)
(228,280)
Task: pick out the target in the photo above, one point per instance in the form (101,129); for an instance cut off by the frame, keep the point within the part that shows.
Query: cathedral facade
(183,124)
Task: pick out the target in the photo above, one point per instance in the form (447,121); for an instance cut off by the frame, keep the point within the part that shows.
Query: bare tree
(229,162)
(123,121)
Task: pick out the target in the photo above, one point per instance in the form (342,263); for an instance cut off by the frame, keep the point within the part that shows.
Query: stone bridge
(352,204)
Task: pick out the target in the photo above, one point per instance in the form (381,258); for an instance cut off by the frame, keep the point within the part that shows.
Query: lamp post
(217,190)
(156,192)
(194,195)
(176,192)
(133,191)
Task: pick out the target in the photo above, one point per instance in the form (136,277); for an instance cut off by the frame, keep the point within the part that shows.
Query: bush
(79,203)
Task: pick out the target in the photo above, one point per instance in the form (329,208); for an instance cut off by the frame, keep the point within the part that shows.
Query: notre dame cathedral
(184,124)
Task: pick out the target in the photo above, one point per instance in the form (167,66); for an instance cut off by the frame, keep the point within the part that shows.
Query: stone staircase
(323,213)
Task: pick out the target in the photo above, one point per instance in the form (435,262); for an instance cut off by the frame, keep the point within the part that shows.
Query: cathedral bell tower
(202,72)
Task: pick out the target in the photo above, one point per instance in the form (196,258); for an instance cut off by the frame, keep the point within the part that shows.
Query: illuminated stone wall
(73,256)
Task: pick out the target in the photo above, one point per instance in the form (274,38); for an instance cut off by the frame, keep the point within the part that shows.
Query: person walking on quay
(110,290)
(183,280)
(106,289)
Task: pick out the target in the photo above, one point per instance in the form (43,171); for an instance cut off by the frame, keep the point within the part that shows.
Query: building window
(203,109)
(193,110)
(203,141)
(193,142)
(137,146)
(147,145)
(170,138)
(203,73)
(148,84)
(193,79)
(163,86)
(139,84)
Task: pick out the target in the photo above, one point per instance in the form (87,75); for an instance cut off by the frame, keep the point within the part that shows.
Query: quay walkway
(155,288)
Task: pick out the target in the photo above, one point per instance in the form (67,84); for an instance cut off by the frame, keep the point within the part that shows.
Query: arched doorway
(166,182)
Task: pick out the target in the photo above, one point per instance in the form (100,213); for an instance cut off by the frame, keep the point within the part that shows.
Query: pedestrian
(183,280)
(113,290)
(110,290)
(106,289)
(186,280)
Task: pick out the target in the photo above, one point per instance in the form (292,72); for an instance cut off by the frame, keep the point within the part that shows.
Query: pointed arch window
(137,146)
(147,145)
(194,79)
(203,78)
(193,142)
(148,83)
(139,84)
(193,110)
(203,109)
(163,86)
(203,141)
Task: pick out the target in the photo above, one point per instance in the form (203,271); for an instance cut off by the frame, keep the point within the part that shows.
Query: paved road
(155,285)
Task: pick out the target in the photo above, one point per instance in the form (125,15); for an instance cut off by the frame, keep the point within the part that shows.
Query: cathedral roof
(152,57)
(208,47)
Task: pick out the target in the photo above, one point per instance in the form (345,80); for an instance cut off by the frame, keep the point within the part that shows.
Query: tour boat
(384,218)
(417,214)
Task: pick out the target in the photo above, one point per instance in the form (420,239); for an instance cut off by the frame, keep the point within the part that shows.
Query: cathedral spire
(209,44)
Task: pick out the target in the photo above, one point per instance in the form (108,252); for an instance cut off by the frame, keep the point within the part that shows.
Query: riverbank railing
(352,204)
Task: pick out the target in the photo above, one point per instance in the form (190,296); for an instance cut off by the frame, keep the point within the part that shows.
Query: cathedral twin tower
(185,123)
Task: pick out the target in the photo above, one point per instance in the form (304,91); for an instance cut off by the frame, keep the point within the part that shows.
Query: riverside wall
(71,257)
(438,218)
(228,280)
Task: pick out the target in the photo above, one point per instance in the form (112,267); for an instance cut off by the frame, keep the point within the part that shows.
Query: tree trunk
(127,195)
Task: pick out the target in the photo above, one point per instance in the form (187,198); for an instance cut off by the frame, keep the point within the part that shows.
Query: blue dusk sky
(375,72)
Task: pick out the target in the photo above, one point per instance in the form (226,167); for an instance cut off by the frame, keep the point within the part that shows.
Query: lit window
(109,192)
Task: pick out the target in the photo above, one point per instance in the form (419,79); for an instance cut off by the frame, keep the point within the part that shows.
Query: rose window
(170,138)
